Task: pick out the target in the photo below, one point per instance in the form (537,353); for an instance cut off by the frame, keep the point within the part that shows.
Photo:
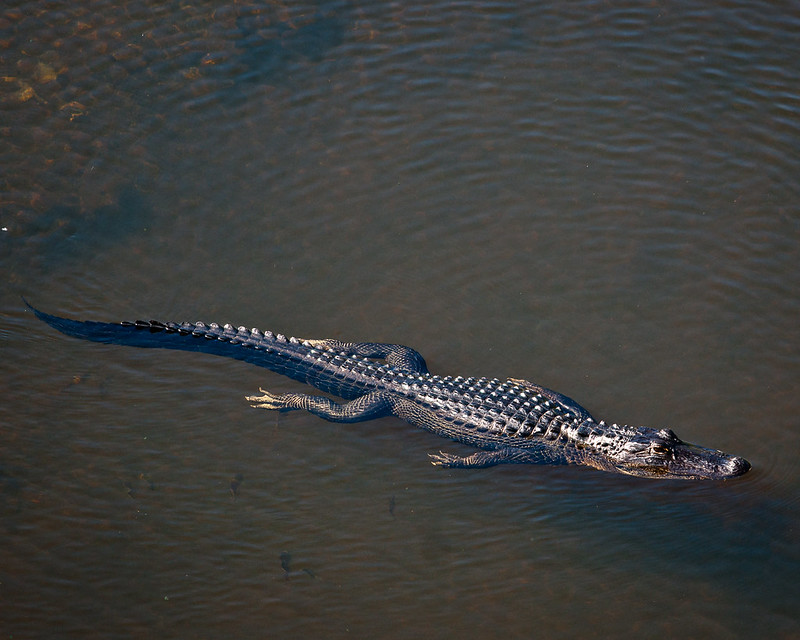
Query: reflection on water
(600,199)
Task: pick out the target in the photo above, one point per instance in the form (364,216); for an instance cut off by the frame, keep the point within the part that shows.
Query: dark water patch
(67,233)
(270,44)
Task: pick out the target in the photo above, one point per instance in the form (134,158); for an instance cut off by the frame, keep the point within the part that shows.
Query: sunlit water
(602,199)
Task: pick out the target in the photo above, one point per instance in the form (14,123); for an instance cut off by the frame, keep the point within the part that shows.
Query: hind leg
(396,355)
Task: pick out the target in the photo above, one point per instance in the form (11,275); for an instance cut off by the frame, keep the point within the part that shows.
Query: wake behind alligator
(510,421)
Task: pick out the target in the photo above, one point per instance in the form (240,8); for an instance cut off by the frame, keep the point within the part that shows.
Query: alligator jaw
(694,462)
(688,462)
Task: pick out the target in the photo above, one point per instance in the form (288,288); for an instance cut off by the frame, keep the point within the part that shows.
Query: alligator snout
(737,466)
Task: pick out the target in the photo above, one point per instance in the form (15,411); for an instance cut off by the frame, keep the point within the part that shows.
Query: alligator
(509,421)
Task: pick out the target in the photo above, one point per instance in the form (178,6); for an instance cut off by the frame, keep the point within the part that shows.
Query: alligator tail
(108,332)
(275,352)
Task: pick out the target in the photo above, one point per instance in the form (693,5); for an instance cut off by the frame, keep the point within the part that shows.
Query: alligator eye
(659,449)
(668,434)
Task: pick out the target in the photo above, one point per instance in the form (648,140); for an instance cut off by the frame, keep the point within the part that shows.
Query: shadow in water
(270,45)
(67,232)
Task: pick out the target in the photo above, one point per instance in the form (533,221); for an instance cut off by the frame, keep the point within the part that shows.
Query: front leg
(483,459)
(375,404)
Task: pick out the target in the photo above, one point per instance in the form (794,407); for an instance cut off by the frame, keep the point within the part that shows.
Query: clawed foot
(266,401)
(443,459)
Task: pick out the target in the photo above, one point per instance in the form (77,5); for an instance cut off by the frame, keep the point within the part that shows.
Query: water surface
(600,199)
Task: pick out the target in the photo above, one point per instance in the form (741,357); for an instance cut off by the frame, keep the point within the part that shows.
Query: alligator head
(661,454)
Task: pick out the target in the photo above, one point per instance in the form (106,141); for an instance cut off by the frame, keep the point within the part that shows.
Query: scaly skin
(511,421)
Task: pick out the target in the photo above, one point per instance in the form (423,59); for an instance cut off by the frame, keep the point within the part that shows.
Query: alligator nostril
(738,466)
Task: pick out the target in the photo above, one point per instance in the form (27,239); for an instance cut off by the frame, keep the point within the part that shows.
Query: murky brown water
(600,199)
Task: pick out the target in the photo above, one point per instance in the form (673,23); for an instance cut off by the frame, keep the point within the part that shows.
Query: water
(600,199)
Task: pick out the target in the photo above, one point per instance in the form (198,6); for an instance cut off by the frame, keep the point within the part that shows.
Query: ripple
(600,198)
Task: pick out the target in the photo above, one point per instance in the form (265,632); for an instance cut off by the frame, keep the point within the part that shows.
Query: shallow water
(602,200)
